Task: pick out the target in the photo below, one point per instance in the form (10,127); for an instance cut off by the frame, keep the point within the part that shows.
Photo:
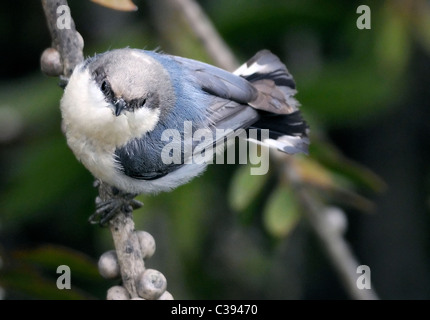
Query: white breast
(92,130)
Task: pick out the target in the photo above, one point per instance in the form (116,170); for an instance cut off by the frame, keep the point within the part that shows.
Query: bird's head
(116,96)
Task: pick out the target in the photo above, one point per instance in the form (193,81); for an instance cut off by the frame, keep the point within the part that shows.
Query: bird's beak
(120,105)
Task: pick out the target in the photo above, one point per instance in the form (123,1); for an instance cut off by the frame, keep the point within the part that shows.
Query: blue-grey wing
(229,95)
(259,94)
(219,82)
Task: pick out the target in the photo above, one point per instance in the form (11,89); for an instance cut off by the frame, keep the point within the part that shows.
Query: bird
(118,105)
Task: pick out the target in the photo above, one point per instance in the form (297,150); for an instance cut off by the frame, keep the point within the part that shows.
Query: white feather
(166,183)
(93,131)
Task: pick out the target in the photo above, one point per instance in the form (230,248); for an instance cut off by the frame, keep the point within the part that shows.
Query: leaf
(33,273)
(51,256)
(331,158)
(30,283)
(313,172)
(338,178)
(121,5)
(244,187)
(281,213)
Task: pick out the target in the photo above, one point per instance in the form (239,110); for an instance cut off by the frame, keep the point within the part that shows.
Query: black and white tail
(278,109)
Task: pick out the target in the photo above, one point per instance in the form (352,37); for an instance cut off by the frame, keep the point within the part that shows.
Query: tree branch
(331,239)
(334,244)
(126,243)
(207,34)
(69,44)
(67,41)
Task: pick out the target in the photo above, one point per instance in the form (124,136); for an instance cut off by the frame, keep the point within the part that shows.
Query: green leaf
(33,273)
(281,213)
(25,281)
(245,187)
(50,257)
(332,159)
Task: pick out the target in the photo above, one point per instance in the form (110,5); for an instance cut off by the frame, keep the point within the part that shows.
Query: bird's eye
(105,87)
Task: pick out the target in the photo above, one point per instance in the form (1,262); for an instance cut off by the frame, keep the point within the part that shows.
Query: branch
(207,34)
(67,41)
(334,244)
(126,243)
(60,60)
(331,239)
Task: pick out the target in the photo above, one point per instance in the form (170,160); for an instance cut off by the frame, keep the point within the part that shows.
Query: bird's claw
(120,202)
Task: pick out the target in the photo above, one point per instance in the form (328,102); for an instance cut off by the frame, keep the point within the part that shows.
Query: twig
(69,45)
(335,245)
(67,41)
(337,249)
(126,243)
(207,34)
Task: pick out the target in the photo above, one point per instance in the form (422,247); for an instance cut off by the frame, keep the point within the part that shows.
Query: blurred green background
(228,235)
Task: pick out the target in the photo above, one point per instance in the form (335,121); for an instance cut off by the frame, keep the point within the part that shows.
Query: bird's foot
(108,209)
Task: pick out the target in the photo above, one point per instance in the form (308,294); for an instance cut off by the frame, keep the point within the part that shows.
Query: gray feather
(219,82)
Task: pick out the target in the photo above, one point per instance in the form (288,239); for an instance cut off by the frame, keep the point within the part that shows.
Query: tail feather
(282,124)
(278,109)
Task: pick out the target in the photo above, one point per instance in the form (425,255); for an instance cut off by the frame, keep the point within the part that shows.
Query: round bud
(336,219)
(151,284)
(117,293)
(80,40)
(50,62)
(147,244)
(108,265)
(166,296)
